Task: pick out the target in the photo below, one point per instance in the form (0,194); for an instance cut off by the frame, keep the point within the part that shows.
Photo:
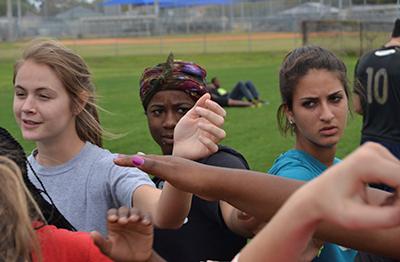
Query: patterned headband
(173,75)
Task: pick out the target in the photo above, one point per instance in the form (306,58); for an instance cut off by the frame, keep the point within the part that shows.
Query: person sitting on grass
(234,98)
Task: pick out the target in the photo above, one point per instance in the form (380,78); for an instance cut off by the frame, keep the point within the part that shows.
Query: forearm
(173,207)
(262,195)
(287,235)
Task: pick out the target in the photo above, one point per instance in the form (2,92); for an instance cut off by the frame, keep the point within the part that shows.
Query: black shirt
(221,100)
(377,82)
(204,235)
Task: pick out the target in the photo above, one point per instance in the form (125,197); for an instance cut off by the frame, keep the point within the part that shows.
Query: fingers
(375,164)
(213,131)
(202,100)
(101,242)
(211,116)
(160,166)
(215,107)
(125,215)
(209,143)
(367,216)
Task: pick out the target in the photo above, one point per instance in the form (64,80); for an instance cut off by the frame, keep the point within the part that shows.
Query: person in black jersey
(377,93)
(213,229)
(377,98)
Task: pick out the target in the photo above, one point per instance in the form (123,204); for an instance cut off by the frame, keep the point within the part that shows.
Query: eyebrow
(37,89)
(315,97)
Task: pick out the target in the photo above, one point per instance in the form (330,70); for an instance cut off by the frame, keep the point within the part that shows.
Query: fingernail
(137,160)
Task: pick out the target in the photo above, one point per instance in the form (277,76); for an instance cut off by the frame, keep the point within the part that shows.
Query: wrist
(154,257)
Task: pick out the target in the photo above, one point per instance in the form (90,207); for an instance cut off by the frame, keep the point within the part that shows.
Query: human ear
(80,103)
(289,115)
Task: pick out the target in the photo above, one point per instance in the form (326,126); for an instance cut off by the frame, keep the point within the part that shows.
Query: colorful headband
(173,75)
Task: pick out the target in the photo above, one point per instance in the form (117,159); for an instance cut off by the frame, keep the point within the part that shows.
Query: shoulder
(103,162)
(292,164)
(226,157)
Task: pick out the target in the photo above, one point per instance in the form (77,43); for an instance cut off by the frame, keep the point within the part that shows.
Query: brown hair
(17,236)
(296,65)
(74,74)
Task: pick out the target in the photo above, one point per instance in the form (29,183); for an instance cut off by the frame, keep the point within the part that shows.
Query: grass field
(251,131)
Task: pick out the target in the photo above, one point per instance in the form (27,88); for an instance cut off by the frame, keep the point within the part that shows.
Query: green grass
(252,131)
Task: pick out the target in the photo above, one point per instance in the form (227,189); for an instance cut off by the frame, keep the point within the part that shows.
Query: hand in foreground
(341,190)
(130,235)
(199,131)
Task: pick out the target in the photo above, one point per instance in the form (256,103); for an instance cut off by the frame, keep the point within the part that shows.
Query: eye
(44,97)
(182,110)
(156,112)
(336,98)
(309,104)
(20,93)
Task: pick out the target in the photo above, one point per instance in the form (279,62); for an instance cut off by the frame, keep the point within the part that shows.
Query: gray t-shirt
(84,188)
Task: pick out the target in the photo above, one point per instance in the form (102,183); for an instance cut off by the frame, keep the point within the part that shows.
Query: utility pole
(10,20)
(19,14)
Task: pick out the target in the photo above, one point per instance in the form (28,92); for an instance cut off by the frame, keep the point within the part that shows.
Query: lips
(30,123)
(329,131)
(168,139)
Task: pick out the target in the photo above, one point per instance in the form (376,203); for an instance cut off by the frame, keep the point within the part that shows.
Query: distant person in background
(377,93)
(213,229)
(234,98)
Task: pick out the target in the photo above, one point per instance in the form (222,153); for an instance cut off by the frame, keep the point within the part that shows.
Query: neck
(395,41)
(59,151)
(325,155)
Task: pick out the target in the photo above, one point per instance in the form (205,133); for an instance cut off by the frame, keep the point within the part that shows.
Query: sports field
(252,131)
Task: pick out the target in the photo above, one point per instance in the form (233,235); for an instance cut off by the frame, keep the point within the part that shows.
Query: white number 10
(373,85)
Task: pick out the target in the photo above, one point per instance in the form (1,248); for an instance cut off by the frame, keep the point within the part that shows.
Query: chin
(329,144)
(30,136)
(167,150)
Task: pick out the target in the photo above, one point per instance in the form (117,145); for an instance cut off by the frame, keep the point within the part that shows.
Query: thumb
(103,244)
(201,102)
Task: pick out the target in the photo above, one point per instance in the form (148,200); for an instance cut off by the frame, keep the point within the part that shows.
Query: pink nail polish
(137,160)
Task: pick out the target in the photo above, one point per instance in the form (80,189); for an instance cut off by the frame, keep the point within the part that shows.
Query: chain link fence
(274,25)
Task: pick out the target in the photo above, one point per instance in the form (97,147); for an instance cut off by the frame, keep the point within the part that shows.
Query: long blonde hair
(74,74)
(17,236)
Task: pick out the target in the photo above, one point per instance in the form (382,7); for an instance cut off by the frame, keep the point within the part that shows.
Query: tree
(26,5)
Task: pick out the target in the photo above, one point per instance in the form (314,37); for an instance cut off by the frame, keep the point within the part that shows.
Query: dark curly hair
(10,148)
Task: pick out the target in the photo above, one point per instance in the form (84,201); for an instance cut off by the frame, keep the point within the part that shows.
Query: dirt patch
(183,39)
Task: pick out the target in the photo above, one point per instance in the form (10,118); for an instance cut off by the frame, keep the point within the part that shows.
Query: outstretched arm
(341,200)
(262,195)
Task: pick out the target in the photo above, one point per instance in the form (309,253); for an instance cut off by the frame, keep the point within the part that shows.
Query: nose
(170,120)
(28,105)
(326,113)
